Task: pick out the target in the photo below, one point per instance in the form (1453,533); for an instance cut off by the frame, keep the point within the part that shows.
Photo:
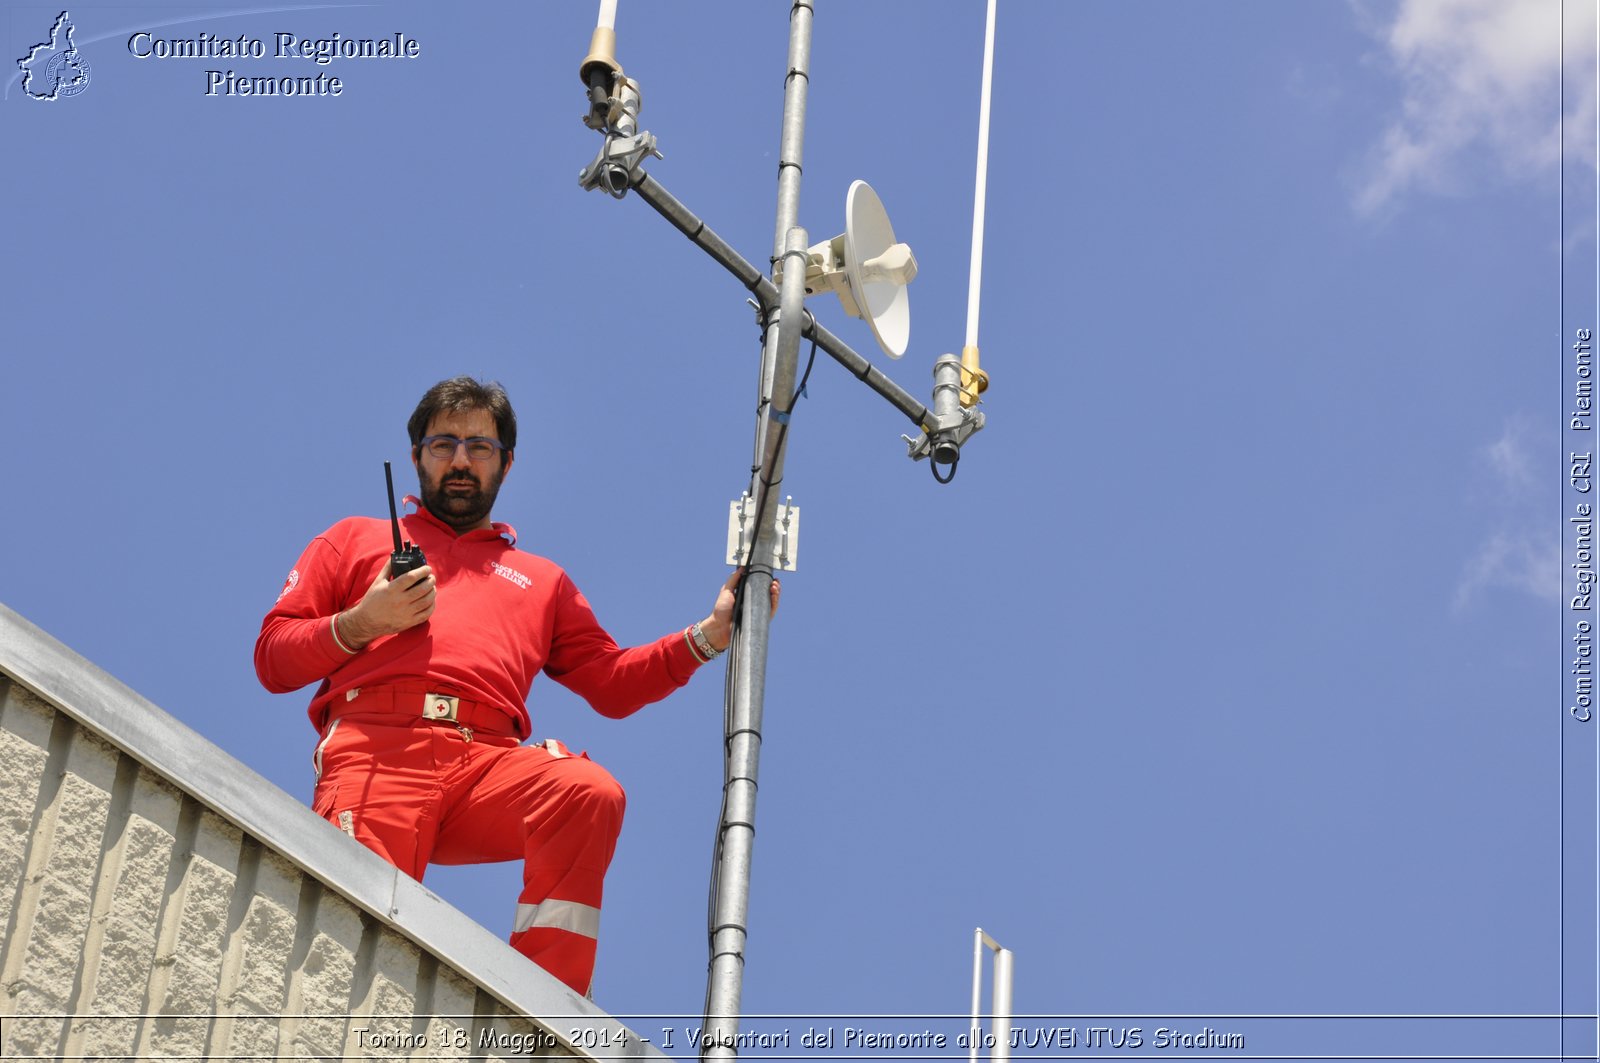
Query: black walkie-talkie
(406,557)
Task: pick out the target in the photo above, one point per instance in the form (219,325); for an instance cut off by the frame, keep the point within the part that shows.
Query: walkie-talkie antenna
(406,557)
(394,517)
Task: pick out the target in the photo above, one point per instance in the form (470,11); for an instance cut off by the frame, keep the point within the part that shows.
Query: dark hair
(463,394)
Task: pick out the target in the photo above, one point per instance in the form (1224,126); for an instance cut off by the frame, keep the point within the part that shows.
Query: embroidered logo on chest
(509,573)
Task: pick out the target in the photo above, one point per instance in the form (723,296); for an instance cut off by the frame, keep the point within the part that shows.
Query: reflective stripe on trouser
(562,915)
(420,795)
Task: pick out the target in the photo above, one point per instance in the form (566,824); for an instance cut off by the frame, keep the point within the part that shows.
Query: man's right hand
(388,607)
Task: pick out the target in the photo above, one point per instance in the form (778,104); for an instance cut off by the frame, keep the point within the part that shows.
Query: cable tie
(781,416)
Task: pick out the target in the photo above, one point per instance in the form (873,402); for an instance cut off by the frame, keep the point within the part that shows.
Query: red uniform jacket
(501,617)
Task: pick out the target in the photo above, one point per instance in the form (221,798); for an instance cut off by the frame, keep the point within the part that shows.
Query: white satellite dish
(878,268)
(867,269)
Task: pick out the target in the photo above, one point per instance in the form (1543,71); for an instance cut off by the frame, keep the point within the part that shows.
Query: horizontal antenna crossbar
(685,221)
(866,372)
(766,293)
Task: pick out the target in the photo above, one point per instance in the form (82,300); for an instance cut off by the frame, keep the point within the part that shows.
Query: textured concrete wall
(140,922)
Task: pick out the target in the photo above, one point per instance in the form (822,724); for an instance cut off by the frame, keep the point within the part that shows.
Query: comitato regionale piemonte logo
(55,69)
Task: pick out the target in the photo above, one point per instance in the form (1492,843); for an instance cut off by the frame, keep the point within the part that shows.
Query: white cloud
(1527,563)
(1511,460)
(1522,552)
(1481,81)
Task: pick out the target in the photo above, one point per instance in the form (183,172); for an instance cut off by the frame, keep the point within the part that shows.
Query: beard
(459,497)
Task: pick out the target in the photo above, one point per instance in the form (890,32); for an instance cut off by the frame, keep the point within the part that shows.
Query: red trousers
(419,792)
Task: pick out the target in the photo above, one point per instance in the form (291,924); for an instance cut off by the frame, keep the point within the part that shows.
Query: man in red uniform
(424,678)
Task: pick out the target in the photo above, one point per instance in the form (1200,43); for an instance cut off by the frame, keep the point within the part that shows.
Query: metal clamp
(619,159)
(951,422)
(942,437)
(626,146)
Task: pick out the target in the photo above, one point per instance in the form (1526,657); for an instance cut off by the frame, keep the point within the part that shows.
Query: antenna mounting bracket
(626,145)
(742,529)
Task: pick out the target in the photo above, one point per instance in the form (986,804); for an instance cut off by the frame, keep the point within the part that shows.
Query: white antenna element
(608,15)
(999,1040)
(981,191)
(866,268)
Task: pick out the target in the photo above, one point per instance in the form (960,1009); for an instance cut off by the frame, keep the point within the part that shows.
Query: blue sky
(1229,676)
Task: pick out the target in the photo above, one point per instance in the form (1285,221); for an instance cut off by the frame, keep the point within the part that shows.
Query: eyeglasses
(479,448)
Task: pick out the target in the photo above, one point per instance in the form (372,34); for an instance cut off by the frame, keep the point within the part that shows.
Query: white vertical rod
(980,193)
(1000,1023)
(608,15)
(977,991)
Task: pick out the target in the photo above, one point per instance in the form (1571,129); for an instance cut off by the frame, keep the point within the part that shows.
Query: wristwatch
(702,643)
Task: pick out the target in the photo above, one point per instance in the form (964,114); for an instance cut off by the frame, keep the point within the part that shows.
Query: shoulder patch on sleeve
(290,583)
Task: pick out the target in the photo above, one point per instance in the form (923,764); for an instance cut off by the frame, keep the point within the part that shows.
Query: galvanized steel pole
(779,362)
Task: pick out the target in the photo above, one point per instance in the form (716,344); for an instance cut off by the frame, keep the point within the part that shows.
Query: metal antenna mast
(747,670)
(762,541)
